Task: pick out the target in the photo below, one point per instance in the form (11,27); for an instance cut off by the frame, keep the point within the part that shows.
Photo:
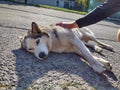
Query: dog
(41,40)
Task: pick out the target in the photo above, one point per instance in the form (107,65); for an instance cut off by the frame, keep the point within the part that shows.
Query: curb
(114,19)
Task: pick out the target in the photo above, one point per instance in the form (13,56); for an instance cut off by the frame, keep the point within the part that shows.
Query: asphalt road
(20,70)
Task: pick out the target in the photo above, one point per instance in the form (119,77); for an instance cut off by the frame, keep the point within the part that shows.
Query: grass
(61,9)
(51,7)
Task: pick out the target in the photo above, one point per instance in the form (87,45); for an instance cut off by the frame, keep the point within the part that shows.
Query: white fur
(40,48)
(74,40)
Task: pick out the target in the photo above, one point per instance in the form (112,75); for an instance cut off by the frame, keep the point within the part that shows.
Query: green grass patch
(61,9)
(51,7)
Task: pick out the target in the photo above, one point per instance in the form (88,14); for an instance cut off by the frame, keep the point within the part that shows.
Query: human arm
(101,12)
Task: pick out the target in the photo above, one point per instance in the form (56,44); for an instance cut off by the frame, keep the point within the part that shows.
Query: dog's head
(36,41)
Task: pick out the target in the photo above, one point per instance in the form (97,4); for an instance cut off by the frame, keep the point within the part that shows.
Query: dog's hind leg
(103,45)
(95,47)
(89,36)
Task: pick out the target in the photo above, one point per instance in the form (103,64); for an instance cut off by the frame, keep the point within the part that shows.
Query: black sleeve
(99,13)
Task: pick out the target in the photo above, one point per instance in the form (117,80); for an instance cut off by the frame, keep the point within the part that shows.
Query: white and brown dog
(41,40)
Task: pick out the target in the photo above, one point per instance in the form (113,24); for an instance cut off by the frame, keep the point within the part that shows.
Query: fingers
(68,25)
(59,24)
(65,25)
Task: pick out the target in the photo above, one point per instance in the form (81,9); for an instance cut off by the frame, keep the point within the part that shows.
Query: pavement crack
(13,27)
(18,10)
(36,13)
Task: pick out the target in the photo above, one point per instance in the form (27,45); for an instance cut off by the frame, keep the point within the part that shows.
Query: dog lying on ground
(41,40)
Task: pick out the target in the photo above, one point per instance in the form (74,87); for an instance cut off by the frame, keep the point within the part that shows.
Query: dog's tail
(118,35)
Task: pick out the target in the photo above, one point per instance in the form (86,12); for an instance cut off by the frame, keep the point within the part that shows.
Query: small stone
(2,88)
(72,88)
(29,88)
(90,88)
(57,88)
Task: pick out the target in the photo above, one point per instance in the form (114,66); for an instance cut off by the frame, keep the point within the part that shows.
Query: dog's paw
(98,49)
(107,66)
(109,47)
(97,67)
(105,63)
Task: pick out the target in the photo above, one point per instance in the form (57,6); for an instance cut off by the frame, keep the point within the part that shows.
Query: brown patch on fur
(55,33)
(37,31)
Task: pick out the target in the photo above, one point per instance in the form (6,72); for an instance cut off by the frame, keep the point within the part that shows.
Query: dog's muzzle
(42,55)
(41,51)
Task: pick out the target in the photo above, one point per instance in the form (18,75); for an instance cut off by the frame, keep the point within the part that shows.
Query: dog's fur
(42,40)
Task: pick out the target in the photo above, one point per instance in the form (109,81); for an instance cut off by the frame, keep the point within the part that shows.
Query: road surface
(20,70)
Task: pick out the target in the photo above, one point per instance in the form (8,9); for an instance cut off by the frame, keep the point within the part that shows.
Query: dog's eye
(25,37)
(30,49)
(38,41)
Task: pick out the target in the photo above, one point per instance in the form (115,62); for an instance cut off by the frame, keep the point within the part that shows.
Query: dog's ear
(35,28)
(45,33)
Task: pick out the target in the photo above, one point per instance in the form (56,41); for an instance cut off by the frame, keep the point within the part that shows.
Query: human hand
(69,25)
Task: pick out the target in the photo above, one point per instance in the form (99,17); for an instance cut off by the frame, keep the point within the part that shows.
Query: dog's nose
(42,55)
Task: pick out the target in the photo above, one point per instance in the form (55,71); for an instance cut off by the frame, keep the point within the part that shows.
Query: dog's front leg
(105,63)
(96,65)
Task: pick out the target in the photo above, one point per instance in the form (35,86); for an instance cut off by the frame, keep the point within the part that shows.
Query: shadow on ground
(29,69)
